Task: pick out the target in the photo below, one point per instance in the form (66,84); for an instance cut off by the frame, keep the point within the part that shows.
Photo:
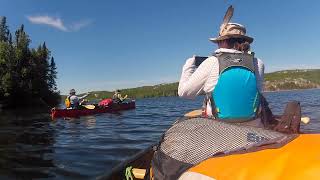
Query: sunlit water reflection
(34,146)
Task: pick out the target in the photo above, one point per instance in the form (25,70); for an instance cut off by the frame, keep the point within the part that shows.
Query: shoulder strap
(227,60)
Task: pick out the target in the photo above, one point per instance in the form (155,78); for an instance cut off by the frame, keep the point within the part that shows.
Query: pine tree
(10,38)
(6,60)
(25,74)
(22,69)
(52,75)
(4,31)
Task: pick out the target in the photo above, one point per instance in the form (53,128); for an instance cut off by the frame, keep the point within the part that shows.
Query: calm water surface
(32,146)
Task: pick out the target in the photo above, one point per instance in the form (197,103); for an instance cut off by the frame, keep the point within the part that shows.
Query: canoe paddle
(89,106)
(194,113)
(198,112)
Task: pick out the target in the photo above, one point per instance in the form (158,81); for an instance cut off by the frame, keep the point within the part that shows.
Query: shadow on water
(26,140)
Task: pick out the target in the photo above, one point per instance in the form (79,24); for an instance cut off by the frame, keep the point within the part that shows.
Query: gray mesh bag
(189,142)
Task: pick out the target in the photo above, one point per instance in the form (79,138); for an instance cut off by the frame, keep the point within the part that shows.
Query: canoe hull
(58,113)
(143,159)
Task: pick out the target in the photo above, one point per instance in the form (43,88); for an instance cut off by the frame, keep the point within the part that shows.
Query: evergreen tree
(10,38)
(26,75)
(44,68)
(22,69)
(5,75)
(6,60)
(52,75)
(4,31)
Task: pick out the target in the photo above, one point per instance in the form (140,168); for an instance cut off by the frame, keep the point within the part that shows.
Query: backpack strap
(227,60)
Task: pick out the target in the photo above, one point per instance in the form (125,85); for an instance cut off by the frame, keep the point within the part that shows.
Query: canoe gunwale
(140,160)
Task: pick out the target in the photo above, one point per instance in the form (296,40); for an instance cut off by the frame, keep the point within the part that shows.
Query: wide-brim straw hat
(232,30)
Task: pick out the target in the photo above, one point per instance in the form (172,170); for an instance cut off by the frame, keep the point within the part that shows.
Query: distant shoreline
(289,90)
(280,81)
(175,95)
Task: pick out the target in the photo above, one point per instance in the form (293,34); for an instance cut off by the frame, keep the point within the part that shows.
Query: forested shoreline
(275,81)
(292,79)
(27,75)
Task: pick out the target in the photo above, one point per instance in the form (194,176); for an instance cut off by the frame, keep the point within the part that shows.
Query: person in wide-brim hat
(204,76)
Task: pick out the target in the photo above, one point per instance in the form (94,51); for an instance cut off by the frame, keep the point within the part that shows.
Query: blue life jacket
(236,96)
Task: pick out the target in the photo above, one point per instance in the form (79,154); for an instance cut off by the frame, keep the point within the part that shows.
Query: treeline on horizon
(27,75)
(170,89)
(282,80)
(292,79)
(312,75)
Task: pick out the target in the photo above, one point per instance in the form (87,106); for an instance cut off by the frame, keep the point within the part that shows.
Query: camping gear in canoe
(106,107)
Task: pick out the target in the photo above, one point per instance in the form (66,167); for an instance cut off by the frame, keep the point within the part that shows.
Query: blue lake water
(33,146)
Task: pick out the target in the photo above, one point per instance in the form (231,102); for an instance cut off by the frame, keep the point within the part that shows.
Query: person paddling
(232,78)
(117,98)
(73,101)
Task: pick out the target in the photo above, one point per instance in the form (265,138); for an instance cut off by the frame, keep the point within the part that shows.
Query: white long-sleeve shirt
(75,99)
(202,80)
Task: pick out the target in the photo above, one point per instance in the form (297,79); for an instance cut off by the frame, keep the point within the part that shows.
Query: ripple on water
(36,147)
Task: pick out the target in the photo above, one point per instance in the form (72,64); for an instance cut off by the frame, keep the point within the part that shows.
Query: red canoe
(57,113)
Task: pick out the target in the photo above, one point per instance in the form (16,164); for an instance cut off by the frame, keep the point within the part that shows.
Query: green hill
(167,89)
(275,81)
(292,79)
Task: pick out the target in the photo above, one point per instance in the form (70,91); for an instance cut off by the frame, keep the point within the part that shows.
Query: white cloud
(47,20)
(79,25)
(58,23)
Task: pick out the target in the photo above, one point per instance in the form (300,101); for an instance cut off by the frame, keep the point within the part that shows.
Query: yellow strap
(139,173)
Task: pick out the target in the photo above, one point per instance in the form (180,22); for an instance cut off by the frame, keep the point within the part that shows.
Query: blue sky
(104,45)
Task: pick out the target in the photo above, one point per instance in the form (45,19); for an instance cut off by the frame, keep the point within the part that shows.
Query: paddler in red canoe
(117,98)
(73,101)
